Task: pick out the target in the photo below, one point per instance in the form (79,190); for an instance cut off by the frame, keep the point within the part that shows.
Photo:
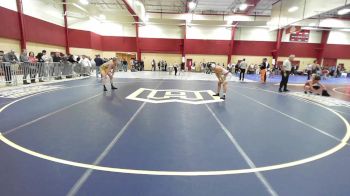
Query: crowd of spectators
(41,66)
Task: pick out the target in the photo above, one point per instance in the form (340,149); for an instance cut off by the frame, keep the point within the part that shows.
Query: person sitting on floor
(314,86)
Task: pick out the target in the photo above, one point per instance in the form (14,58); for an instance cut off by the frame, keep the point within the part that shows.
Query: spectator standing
(86,65)
(142,65)
(309,71)
(10,58)
(41,56)
(153,65)
(124,64)
(32,60)
(71,59)
(1,56)
(57,67)
(57,57)
(25,65)
(315,67)
(2,65)
(263,69)
(242,67)
(98,62)
(285,72)
(175,68)
(132,64)
(78,58)
(229,67)
(338,71)
(93,63)
(237,68)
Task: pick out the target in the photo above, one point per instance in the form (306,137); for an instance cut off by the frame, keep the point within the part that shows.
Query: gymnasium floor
(166,136)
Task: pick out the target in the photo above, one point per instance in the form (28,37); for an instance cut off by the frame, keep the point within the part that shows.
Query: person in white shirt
(92,63)
(242,67)
(309,71)
(229,67)
(48,66)
(285,72)
(86,63)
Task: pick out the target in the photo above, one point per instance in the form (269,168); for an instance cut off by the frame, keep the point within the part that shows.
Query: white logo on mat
(24,91)
(174,95)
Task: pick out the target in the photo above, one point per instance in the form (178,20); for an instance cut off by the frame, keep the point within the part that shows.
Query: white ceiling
(112,9)
(209,6)
(211,10)
(213,6)
(263,8)
(167,6)
(108,5)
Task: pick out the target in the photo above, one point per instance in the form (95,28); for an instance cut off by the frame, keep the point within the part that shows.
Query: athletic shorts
(316,87)
(104,68)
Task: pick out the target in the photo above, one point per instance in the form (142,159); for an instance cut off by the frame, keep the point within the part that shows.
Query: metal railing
(16,73)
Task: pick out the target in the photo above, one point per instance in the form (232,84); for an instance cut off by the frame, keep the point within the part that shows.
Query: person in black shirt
(98,62)
(57,57)
(57,66)
(71,59)
(40,65)
(175,69)
(125,65)
(263,68)
(142,65)
(78,59)
(153,65)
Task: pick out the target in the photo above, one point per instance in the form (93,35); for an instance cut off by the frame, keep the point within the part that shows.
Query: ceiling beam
(252,8)
(131,11)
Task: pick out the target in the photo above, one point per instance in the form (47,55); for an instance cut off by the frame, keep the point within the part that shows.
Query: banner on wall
(300,36)
(293,29)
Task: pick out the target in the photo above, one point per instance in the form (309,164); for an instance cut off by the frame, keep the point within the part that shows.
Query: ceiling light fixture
(103,17)
(344,11)
(293,9)
(188,18)
(310,28)
(146,19)
(192,5)
(243,6)
(79,7)
(84,2)
(312,24)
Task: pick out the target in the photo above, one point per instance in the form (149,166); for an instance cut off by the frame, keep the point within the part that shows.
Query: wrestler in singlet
(108,69)
(223,76)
